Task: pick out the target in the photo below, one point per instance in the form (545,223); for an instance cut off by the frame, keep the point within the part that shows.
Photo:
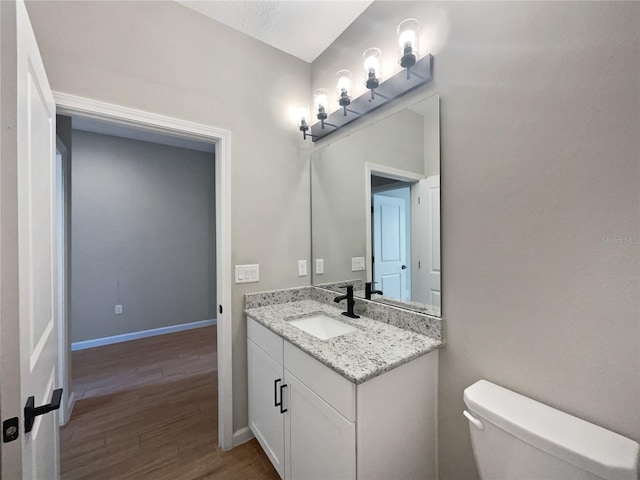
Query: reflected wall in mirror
(375,209)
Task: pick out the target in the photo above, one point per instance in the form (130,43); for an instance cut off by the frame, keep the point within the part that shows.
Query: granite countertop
(358,356)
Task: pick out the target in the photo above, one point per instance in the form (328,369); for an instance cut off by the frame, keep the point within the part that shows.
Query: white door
(266,418)
(390,264)
(430,235)
(37,328)
(321,443)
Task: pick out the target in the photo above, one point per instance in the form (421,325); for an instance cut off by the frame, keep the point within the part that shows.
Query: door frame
(371,169)
(75,105)
(62,257)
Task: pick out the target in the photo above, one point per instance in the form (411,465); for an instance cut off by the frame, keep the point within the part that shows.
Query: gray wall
(540,114)
(143,231)
(165,58)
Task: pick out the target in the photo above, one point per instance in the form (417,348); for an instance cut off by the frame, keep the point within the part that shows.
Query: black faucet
(368,290)
(350,301)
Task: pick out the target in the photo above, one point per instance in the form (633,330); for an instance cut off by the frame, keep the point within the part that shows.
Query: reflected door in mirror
(428,279)
(390,238)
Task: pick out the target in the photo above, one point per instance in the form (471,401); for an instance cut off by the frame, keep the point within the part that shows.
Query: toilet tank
(515,437)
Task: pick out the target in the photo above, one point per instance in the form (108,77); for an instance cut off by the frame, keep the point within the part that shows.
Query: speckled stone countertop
(358,356)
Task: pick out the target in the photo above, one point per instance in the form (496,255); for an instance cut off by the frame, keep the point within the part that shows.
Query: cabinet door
(265,419)
(320,442)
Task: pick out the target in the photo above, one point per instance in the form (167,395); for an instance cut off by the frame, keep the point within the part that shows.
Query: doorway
(391,236)
(143,241)
(403,225)
(153,123)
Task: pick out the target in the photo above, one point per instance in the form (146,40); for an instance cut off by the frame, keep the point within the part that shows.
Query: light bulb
(302,113)
(343,85)
(343,89)
(408,40)
(372,69)
(320,100)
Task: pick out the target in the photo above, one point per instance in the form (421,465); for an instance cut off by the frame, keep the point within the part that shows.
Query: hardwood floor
(147,409)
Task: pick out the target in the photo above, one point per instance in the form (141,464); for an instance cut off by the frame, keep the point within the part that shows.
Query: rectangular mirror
(375,210)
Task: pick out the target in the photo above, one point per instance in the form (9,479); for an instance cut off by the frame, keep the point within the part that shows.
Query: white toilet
(517,438)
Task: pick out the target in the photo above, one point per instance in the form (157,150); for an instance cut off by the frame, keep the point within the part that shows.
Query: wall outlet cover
(357,264)
(247,273)
(118,309)
(319,266)
(302,268)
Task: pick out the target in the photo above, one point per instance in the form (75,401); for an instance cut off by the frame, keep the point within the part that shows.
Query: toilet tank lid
(583,444)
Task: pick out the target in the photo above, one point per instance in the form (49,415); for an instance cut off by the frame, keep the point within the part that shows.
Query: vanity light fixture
(302,112)
(343,89)
(372,69)
(418,72)
(408,39)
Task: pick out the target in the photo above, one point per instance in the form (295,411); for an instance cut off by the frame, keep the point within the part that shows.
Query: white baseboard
(242,436)
(125,337)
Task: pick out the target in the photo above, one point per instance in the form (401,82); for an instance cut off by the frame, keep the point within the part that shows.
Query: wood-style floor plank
(147,409)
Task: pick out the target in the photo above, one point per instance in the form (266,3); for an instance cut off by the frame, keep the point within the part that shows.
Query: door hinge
(372,210)
(220,308)
(10,429)
(418,263)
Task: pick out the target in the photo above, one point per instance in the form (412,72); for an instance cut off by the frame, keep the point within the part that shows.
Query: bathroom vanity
(361,404)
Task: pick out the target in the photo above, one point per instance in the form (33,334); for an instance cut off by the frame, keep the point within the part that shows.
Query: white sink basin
(322,326)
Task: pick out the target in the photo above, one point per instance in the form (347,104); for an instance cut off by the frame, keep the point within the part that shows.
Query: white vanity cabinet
(292,423)
(266,376)
(315,424)
(320,443)
(320,430)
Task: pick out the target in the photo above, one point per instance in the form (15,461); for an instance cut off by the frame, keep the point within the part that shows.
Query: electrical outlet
(319,266)
(118,309)
(302,268)
(357,264)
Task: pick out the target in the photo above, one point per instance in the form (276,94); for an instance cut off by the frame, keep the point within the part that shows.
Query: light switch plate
(118,310)
(302,268)
(247,273)
(357,264)
(319,266)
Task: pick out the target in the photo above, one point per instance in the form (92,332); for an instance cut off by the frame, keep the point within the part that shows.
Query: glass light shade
(321,100)
(302,114)
(372,64)
(343,85)
(408,41)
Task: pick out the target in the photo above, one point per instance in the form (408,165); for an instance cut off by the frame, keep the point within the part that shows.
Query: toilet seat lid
(583,444)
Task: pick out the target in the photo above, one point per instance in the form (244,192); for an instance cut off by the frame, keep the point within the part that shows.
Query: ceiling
(302,28)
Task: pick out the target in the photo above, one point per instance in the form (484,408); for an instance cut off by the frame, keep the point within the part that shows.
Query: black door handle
(282,387)
(275,393)
(404,267)
(31,411)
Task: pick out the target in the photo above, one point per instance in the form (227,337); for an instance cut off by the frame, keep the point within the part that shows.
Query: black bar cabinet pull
(31,411)
(282,387)
(275,393)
